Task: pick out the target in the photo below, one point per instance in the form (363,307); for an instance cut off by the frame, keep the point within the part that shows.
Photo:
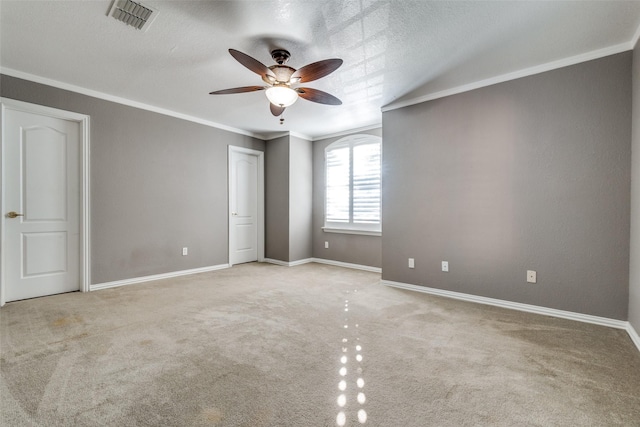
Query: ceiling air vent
(132,13)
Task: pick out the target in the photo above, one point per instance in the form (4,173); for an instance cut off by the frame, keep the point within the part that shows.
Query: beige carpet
(263,345)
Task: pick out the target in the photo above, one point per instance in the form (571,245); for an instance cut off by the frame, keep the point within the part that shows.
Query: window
(353,185)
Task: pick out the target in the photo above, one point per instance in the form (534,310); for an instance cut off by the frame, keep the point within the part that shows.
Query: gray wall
(529,174)
(634,273)
(300,198)
(158,183)
(350,248)
(277,199)
(288,194)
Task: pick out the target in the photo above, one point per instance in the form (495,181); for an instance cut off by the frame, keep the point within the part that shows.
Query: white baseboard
(634,335)
(324,261)
(288,264)
(586,318)
(347,265)
(143,279)
(276,262)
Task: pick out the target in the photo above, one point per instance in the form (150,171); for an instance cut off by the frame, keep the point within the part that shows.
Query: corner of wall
(633,335)
(277,199)
(634,255)
(300,198)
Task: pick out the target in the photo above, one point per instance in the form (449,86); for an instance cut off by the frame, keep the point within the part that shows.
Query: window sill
(351,231)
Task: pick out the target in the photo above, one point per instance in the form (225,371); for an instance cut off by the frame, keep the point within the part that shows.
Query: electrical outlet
(326,245)
(185,251)
(445,266)
(532,276)
(412,263)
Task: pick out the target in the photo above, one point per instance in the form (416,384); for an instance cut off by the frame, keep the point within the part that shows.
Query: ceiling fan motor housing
(283,74)
(280,55)
(280,77)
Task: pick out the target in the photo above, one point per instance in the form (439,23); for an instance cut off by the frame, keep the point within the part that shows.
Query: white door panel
(44,253)
(42,184)
(44,180)
(244,206)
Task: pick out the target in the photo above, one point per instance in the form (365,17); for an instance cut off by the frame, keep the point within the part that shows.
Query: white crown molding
(301,136)
(143,279)
(321,137)
(112,98)
(349,132)
(634,39)
(271,137)
(633,335)
(565,62)
(585,318)
(287,133)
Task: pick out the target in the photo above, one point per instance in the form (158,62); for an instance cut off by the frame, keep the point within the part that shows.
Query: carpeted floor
(313,345)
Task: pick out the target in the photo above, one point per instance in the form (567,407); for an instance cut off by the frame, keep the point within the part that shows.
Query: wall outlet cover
(532,276)
(445,266)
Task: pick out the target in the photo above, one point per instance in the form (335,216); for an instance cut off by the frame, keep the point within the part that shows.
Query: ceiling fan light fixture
(280,77)
(282,96)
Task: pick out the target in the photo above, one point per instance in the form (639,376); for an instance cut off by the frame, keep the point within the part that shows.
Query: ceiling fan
(280,78)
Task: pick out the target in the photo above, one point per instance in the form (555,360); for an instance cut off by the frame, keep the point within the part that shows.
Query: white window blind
(366,184)
(353,183)
(338,185)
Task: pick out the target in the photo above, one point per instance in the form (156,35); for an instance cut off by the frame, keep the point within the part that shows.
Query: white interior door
(245,219)
(41,176)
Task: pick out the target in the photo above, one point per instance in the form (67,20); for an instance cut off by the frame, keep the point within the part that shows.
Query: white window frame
(351,227)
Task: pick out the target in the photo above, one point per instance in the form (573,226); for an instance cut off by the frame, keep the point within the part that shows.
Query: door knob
(13,214)
(234,213)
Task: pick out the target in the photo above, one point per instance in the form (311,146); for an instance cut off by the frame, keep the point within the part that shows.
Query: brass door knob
(13,214)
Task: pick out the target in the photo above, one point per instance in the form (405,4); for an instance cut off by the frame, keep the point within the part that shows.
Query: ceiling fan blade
(315,95)
(317,70)
(276,110)
(251,63)
(237,90)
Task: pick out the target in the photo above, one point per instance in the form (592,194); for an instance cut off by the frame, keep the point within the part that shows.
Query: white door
(41,175)
(245,188)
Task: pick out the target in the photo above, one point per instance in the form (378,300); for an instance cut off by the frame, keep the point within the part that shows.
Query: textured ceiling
(394,51)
